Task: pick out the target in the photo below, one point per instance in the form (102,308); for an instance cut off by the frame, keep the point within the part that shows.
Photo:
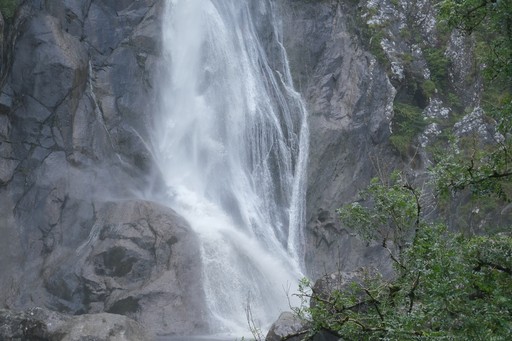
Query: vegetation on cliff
(8,7)
(447,284)
(450,283)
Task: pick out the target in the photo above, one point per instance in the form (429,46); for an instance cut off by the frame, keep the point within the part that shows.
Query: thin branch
(494,266)
(366,328)
(476,8)
(473,18)
(393,256)
(476,181)
(255,330)
(418,206)
(375,303)
(315,297)
(354,306)
(329,303)
(411,294)
(381,329)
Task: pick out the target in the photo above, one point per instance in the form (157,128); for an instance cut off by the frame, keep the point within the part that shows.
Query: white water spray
(232,145)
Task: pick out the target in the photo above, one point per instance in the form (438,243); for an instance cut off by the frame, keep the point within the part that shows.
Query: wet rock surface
(78,89)
(350,103)
(22,326)
(287,324)
(44,325)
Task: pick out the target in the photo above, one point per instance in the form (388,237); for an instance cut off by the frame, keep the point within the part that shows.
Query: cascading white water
(232,145)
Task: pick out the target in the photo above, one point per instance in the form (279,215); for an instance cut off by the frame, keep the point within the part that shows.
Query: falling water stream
(232,145)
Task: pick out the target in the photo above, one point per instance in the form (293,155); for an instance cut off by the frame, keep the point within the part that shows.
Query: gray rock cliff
(78,89)
(77,96)
(350,103)
(78,92)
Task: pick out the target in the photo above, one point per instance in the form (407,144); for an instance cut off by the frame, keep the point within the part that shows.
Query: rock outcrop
(78,90)
(350,103)
(44,325)
(356,64)
(287,325)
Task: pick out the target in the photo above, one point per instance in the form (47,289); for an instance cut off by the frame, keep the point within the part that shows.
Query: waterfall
(231,143)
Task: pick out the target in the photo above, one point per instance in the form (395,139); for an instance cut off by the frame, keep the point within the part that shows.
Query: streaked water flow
(232,145)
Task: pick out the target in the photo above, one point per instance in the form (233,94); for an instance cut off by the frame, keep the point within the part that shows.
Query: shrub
(408,122)
(438,64)
(8,8)
(428,87)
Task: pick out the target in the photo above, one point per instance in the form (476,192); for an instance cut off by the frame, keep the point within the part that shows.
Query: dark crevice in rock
(125,306)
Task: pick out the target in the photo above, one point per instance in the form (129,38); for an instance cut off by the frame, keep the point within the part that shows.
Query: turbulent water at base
(232,145)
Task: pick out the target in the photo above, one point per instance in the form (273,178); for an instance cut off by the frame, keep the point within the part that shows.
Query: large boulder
(138,259)
(292,328)
(141,261)
(288,326)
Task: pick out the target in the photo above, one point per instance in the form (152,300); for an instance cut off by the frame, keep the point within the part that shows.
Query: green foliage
(491,22)
(428,87)
(8,7)
(447,285)
(484,168)
(453,100)
(407,58)
(438,64)
(374,35)
(390,215)
(408,122)
(464,288)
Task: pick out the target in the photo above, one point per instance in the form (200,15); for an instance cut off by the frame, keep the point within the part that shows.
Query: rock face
(350,103)
(286,325)
(21,326)
(78,87)
(356,64)
(77,93)
(139,260)
(44,325)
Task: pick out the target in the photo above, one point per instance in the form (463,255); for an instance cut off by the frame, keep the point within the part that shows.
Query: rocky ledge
(45,325)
